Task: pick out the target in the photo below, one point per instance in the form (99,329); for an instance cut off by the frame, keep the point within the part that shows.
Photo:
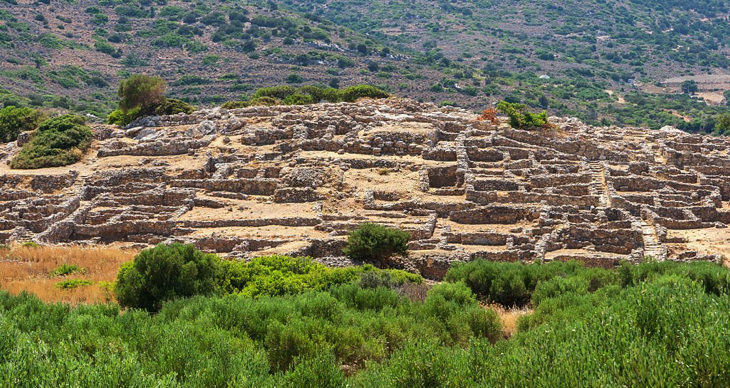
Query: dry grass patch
(31,270)
(508,316)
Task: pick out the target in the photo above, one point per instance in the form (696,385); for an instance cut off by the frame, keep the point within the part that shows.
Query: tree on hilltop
(141,91)
(142,95)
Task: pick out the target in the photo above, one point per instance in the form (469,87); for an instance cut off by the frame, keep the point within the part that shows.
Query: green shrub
(520,118)
(67,269)
(235,104)
(712,276)
(264,101)
(57,142)
(284,275)
(141,91)
(659,330)
(298,99)
(277,92)
(118,117)
(509,284)
(320,371)
(171,106)
(294,79)
(376,242)
(291,95)
(167,272)
(30,244)
(73,283)
(723,123)
(354,93)
(14,120)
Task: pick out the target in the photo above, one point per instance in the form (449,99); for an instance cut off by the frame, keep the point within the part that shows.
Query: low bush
(513,284)
(298,99)
(291,95)
(284,275)
(14,120)
(354,93)
(119,117)
(57,142)
(73,283)
(67,269)
(521,118)
(167,272)
(374,242)
(171,106)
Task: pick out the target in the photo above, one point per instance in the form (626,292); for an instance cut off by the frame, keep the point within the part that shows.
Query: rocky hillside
(72,55)
(296,179)
(606,62)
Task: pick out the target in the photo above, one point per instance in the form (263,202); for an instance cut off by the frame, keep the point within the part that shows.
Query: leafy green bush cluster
(521,118)
(304,95)
(142,95)
(167,272)
(177,271)
(723,123)
(58,141)
(374,242)
(15,120)
(646,325)
(517,284)
(67,269)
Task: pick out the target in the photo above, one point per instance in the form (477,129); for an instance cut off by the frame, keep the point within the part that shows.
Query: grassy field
(30,269)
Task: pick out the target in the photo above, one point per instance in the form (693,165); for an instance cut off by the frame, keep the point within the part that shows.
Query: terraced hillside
(296,179)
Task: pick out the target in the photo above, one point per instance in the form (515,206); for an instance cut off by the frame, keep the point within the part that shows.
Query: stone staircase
(652,246)
(598,185)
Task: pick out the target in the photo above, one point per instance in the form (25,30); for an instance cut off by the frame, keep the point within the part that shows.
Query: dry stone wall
(297,179)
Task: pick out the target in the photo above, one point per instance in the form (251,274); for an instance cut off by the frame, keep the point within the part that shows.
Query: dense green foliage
(723,124)
(14,120)
(646,325)
(171,106)
(58,141)
(516,284)
(304,95)
(374,242)
(167,272)
(283,275)
(521,118)
(170,272)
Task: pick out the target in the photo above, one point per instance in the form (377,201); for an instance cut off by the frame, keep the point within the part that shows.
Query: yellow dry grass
(29,269)
(509,317)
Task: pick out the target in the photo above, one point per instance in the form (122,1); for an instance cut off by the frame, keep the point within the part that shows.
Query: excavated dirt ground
(296,180)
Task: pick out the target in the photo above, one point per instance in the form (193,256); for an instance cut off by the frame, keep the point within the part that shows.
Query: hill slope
(602,61)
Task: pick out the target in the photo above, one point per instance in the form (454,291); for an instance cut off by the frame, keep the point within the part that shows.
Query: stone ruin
(297,179)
